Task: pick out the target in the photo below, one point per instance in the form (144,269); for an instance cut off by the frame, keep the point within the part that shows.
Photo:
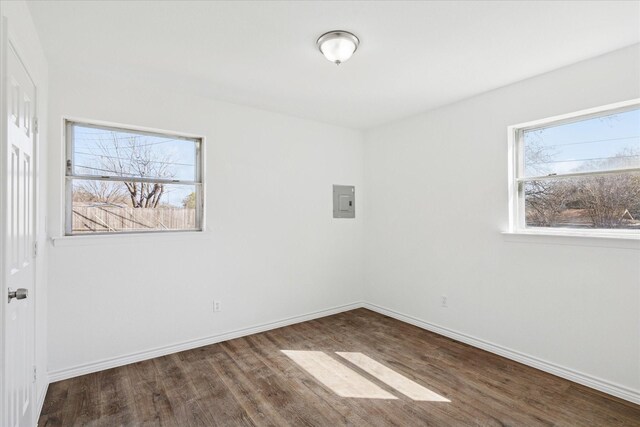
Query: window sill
(130,238)
(574,238)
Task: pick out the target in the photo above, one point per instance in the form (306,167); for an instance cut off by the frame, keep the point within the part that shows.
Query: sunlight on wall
(347,383)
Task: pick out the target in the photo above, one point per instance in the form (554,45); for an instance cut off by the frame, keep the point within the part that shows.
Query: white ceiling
(413,56)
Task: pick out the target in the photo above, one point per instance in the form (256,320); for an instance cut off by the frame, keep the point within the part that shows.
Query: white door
(18,251)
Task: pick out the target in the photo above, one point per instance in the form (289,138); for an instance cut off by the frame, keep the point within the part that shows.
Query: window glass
(602,201)
(597,144)
(580,173)
(108,152)
(121,180)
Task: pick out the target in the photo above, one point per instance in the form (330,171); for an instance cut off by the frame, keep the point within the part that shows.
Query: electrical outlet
(443,301)
(217,306)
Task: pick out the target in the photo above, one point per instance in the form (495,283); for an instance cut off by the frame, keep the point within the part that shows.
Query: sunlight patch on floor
(393,379)
(342,380)
(345,382)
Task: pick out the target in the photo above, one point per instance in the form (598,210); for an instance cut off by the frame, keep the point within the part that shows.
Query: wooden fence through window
(111,218)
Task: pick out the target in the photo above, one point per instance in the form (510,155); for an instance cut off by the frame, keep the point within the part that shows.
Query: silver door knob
(20,293)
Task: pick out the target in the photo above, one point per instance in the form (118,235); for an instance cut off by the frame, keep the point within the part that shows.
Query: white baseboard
(569,374)
(114,362)
(561,371)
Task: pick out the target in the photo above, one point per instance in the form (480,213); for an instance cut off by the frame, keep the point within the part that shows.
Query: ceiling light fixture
(338,46)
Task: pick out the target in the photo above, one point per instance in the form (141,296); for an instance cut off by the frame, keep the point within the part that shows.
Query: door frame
(6,43)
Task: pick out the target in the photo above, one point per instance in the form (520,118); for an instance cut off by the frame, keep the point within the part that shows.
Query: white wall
(23,35)
(436,187)
(437,203)
(272,249)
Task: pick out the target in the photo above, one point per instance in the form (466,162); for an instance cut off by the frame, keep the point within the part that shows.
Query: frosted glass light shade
(338,46)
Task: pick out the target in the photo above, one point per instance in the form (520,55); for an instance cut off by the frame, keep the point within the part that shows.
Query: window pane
(603,201)
(108,152)
(596,144)
(108,206)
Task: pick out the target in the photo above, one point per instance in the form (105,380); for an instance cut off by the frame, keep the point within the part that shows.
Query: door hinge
(35,125)
(35,249)
(35,373)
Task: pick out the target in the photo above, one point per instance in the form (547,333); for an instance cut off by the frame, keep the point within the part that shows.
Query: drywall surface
(271,249)
(437,203)
(435,207)
(22,34)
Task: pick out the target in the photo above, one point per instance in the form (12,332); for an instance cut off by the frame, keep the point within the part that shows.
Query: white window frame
(199,182)
(515,133)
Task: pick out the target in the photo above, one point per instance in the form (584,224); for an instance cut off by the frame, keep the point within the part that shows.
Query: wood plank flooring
(250,382)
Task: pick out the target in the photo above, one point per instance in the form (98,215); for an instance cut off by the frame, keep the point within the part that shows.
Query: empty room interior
(320,213)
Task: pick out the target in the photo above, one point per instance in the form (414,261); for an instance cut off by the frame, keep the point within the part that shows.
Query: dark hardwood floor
(250,381)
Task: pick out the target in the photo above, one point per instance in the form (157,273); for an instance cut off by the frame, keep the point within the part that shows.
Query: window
(130,181)
(580,171)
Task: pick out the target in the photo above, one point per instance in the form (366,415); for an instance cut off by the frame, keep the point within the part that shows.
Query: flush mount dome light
(338,46)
